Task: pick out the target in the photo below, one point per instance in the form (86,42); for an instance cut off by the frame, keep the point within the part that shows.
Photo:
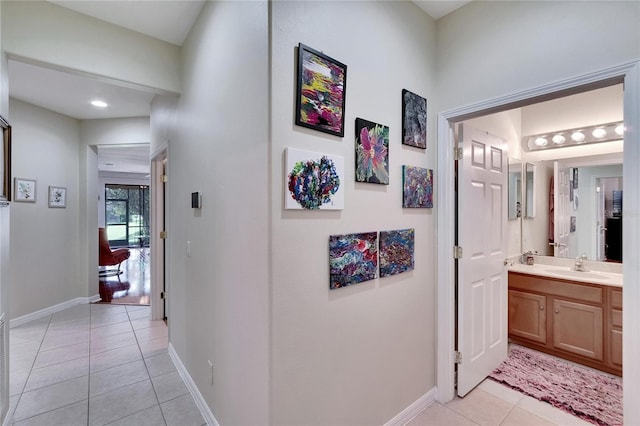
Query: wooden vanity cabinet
(578,321)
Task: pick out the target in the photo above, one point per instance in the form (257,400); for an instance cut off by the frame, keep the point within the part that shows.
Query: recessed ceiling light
(99,104)
(599,133)
(578,136)
(559,139)
(541,141)
(619,129)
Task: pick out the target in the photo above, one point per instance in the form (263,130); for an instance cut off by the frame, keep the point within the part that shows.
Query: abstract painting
(372,152)
(353,258)
(572,224)
(313,181)
(414,119)
(417,187)
(322,85)
(396,252)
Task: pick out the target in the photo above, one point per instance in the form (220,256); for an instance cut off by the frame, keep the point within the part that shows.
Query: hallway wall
(44,241)
(219,295)
(363,353)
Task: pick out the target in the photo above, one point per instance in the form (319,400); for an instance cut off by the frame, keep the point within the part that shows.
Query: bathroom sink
(578,274)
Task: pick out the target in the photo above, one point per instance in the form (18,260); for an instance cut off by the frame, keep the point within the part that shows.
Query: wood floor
(133,285)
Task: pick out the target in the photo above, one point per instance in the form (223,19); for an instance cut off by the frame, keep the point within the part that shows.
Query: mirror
(515,189)
(594,223)
(530,202)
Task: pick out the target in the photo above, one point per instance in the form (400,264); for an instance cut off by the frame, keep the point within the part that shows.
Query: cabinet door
(528,316)
(577,328)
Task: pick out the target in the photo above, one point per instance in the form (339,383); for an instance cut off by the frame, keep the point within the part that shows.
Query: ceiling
(70,94)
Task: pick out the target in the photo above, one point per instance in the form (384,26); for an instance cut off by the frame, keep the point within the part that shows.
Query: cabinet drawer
(616,299)
(616,347)
(562,288)
(616,318)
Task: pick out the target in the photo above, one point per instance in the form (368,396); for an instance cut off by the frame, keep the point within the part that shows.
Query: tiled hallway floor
(494,404)
(97,364)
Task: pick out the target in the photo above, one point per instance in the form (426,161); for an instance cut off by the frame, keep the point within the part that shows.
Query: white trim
(193,389)
(406,415)
(445,275)
(52,310)
(631,248)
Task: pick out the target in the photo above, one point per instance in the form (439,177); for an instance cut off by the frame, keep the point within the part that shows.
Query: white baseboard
(193,389)
(52,310)
(406,415)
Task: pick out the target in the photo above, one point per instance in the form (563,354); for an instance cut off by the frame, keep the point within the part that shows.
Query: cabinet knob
(542,307)
(557,311)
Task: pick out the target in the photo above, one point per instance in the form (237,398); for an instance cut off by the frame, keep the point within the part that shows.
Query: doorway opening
(629,74)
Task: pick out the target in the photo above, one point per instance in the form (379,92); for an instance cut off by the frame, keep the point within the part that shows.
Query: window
(127,215)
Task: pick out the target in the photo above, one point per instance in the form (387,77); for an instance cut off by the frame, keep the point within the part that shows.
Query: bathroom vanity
(569,314)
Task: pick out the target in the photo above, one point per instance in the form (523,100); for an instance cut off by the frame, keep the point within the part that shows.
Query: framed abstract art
(414,120)
(417,191)
(353,258)
(321,90)
(372,152)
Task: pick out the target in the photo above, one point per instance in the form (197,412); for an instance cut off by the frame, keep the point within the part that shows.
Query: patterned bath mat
(591,395)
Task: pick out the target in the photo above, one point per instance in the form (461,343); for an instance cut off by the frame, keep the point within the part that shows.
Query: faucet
(579,265)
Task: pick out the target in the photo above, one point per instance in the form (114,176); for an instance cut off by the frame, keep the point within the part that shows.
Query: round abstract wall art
(314,181)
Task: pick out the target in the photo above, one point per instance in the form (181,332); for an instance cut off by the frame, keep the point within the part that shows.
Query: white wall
(490,49)
(360,354)
(46,33)
(219,297)
(44,241)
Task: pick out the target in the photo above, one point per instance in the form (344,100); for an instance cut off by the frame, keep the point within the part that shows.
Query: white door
(482,275)
(562,210)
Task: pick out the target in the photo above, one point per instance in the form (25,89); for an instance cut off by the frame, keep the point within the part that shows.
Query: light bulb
(619,129)
(578,136)
(559,139)
(540,141)
(599,133)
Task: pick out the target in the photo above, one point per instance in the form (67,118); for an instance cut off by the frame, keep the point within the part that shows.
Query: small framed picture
(25,190)
(320,95)
(57,197)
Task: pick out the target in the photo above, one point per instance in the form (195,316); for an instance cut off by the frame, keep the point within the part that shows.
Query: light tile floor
(494,404)
(97,364)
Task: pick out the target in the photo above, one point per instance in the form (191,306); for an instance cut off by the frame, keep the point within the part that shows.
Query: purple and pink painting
(313,181)
(353,258)
(372,152)
(396,251)
(321,91)
(417,187)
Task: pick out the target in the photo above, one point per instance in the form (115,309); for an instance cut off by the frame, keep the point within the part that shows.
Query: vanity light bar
(572,137)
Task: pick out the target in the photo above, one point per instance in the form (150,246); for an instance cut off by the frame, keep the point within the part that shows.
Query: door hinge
(457,154)
(164,178)
(458,357)
(457,252)
(163,235)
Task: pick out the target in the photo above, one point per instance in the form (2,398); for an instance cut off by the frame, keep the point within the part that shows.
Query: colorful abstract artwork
(320,100)
(396,252)
(372,152)
(313,181)
(414,119)
(417,187)
(353,258)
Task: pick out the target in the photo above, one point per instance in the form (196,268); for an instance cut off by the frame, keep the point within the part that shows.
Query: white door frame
(158,215)
(629,73)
